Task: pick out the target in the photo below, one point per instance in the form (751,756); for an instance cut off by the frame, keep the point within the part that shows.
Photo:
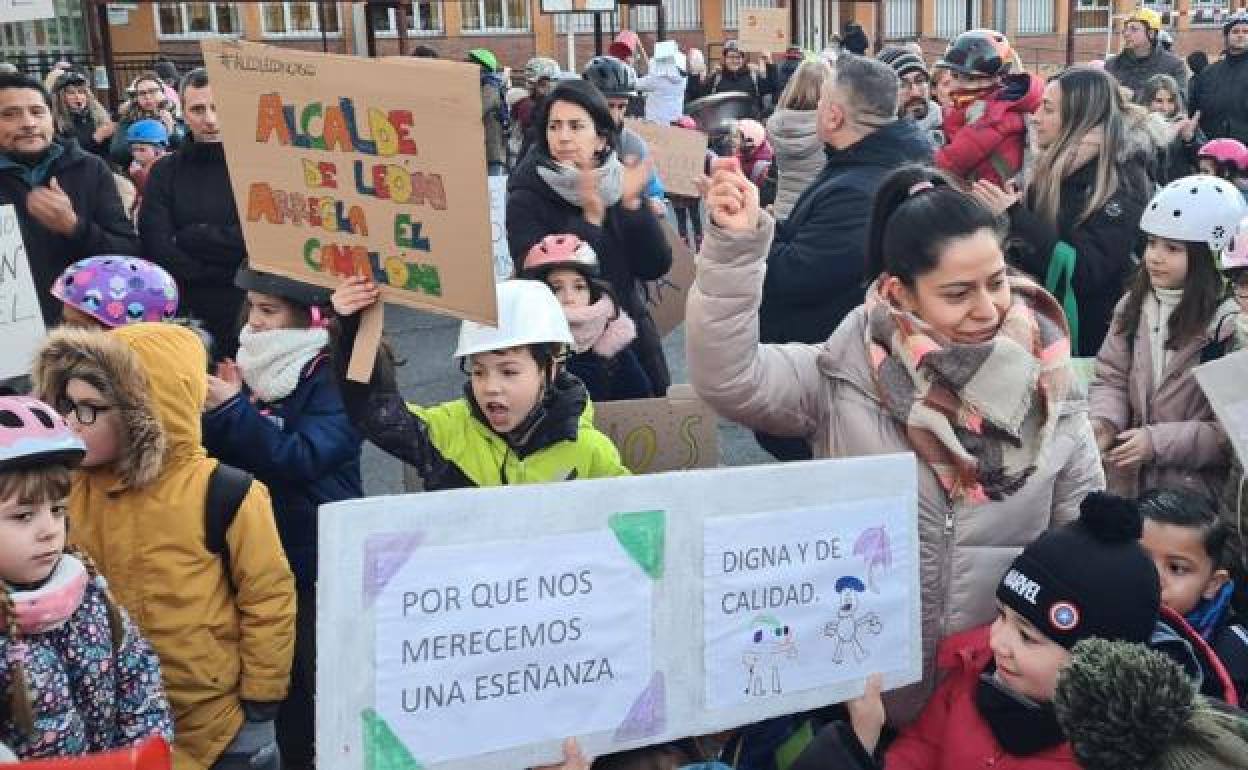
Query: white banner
(21,320)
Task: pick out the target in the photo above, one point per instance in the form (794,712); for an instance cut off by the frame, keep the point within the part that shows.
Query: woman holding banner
(950,357)
(573,182)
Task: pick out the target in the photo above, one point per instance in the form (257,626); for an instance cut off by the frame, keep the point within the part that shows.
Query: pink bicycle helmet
(1229,151)
(561,251)
(1235,256)
(684,121)
(752,131)
(32,433)
(117,290)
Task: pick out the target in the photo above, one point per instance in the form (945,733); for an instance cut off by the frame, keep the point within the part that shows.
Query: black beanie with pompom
(1089,578)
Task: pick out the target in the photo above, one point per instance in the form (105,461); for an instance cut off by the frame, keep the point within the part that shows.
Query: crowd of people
(1010,277)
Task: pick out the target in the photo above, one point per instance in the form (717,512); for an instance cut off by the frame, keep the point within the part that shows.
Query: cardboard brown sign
(345,166)
(654,435)
(667,296)
(1222,381)
(764,29)
(679,154)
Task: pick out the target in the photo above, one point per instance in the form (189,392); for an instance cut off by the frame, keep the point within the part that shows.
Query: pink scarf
(600,329)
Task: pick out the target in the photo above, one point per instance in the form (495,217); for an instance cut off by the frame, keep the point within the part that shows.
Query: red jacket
(950,734)
(995,142)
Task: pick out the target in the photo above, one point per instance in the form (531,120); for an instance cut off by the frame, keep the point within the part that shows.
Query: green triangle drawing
(382,748)
(642,534)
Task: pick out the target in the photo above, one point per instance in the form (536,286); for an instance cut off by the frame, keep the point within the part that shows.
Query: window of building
(495,15)
(901,19)
(1092,15)
(951,18)
(424,17)
(196,19)
(1210,13)
(1035,17)
(299,19)
(680,15)
(65,33)
(732,10)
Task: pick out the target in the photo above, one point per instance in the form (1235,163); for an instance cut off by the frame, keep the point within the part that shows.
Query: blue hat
(148,131)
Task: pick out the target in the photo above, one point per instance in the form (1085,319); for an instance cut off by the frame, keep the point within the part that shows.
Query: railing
(126,66)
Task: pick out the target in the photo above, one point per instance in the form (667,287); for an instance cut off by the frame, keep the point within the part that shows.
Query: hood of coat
(155,373)
(1147,134)
(794,132)
(1023,92)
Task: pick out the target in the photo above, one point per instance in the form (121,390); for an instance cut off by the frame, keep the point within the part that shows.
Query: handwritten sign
(679,154)
(504,267)
(1222,381)
(764,29)
(488,624)
(26,10)
(347,166)
(667,296)
(21,321)
(654,435)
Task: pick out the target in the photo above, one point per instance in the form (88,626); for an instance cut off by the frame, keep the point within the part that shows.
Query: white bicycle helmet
(1195,209)
(528,314)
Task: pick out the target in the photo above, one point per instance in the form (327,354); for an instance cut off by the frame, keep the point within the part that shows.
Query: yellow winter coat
(142,520)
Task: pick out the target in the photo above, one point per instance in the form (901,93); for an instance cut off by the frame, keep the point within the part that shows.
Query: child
(277,413)
(1162,95)
(1192,548)
(111,291)
(1152,423)
(78,676)
(601,331)
(190,549)
(753,150)
(686,207)
(522,419)
(149,141)
(1228,159)
(994,707)
(985,129)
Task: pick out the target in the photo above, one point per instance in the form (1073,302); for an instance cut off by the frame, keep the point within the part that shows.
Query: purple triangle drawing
(384,555)
(648,716)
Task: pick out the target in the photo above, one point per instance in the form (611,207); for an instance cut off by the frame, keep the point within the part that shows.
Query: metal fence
(901,19)
(126,66)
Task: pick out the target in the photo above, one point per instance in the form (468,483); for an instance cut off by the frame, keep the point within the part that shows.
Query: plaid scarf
(980,414)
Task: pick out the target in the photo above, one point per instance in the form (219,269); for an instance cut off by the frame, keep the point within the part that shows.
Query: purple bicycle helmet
(117,290)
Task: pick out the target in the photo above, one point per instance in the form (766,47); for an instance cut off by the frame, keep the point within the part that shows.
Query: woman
(572,181)
(793,131)
(941,308)
(149,102)
(738,76)
(1076,224)
(1162,96)
(79,116)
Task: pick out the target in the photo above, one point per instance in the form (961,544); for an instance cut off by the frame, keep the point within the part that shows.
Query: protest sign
(336,174)
(504,267)
(21,320)
(667,296)
(1222,381)
(764,29)
(654,435)
(679,154)
(26,10)
(478,628)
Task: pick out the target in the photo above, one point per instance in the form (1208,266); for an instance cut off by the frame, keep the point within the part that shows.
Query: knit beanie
(1088,578)
(902,60)
(1125,707)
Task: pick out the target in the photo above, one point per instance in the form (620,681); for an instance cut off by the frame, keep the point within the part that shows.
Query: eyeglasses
(86,414)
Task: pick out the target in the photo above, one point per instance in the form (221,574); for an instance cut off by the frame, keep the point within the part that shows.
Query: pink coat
(1189,445)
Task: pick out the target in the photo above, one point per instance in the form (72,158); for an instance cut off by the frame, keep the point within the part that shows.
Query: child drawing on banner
(873,546)
(770,642)
(847,626)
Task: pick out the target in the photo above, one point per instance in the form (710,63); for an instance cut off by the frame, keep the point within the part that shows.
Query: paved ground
(430,375)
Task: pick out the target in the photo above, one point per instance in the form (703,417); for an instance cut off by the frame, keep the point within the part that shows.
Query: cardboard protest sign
(679,154)
(504,267)
(654,435)
(478,628)
(21,320)
(1222,381)
(667,296)
(764,29)
(342,165)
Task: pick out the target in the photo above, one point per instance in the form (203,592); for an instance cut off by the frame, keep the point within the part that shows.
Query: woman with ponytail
(77,676)
(950,357)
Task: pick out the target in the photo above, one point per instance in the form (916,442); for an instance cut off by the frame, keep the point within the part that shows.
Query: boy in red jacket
(986,129)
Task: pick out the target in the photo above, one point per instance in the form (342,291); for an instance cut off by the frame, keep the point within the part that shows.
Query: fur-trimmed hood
(155,373)
(1147,135)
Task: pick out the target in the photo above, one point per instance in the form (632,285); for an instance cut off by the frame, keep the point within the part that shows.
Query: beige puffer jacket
(826,393)
(800,155)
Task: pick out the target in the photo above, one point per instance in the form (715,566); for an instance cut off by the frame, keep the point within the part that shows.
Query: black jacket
(1104,244)
(1220,95)
(103,227)
(630,245)
(188,220)
(82,130)
(744,81)
(816,266)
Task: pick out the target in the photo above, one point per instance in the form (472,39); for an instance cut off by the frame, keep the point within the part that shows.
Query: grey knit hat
(902,60)
(1123,706)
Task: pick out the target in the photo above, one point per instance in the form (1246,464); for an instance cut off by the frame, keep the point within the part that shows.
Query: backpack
(227,486)
(503,111)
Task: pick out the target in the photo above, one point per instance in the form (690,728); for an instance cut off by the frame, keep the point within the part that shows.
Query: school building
(518,29)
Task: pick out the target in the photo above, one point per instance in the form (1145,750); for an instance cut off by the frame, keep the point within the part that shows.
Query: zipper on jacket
(946,571)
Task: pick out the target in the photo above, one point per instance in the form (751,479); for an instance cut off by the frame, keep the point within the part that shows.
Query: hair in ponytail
(21,709)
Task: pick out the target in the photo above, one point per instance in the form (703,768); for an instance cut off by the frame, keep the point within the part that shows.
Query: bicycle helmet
(147,131)
(752,131)
(540,67)
(1148,17)
(1235,255)
(117,290)
(556,251)
(1231,152)
(485,57)
(1195,209)
(32,433)
(528,314)
(983,52)
(613,77)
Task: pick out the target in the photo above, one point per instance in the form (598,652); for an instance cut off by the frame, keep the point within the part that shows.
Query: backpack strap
(227,487)
(1058,283)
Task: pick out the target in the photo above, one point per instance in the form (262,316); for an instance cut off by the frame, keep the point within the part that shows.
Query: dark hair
(196,78)
(598,288)
(167,70)
(917,211)
(586,96)
(1197,61)
(1162,82)
(9,80)
(1190,510)
(1203,290)
(424,52)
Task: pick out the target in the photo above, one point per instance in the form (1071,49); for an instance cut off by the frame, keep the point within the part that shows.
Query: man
(66,199)
(189,223)
(914,99)
(1142,55)
(815,266)
(1220,94)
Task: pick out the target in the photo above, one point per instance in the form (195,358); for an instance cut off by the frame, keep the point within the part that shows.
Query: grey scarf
(564,179)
